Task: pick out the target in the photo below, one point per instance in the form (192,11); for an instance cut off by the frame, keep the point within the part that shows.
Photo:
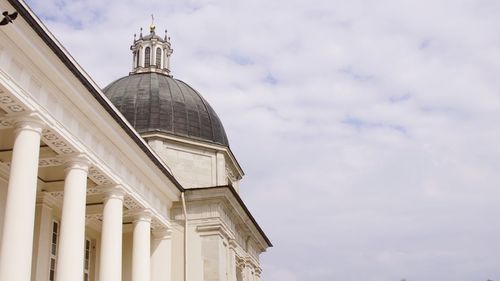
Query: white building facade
(133,182)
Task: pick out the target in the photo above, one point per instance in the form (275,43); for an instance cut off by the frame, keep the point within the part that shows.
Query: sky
(369,131)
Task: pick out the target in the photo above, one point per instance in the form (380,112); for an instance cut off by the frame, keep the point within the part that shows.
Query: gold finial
(152,27)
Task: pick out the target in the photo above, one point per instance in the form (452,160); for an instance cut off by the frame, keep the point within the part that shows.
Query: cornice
(220,229)
(229,195)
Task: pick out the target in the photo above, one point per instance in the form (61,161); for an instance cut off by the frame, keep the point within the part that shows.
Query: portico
(34,170)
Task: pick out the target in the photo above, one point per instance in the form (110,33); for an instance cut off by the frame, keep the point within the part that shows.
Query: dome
(155,102)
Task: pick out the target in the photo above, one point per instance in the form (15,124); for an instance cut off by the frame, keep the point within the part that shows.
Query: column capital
(145,215)
(30,122)
(79,161)
(113,192)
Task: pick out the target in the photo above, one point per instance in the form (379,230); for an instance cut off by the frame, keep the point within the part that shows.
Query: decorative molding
(214,229)
(98,176)
(132,204)
(159,225)
(57,143)
(50,162)
(5,123)
(10,104)
(58,195)
(230,174)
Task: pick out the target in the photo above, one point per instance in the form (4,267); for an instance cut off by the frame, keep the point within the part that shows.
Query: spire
(151,53)
(152,26)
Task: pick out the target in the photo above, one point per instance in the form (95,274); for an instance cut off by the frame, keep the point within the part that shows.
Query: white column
(141,247)
(110,268)
(19,217)
(71,242)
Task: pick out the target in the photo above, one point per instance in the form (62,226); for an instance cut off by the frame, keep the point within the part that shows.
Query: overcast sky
(369,131)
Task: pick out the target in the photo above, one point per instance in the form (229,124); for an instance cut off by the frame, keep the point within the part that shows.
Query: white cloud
(368,129)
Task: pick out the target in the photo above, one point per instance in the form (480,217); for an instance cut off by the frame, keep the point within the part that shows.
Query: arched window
(137,59)
(158,57)
(147,57)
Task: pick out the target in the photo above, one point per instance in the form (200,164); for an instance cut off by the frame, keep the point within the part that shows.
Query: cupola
(151,53)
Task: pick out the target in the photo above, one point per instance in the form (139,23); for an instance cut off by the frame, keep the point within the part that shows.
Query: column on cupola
(166,60)
(110,268)
(72,234)
(162,63)
(141,246)
(19,217)
(161,255)
(153,54)
(140,60)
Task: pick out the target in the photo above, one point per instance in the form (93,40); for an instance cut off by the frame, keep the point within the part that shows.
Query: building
(133,182)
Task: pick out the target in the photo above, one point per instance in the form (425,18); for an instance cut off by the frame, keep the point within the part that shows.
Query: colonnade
(19,216)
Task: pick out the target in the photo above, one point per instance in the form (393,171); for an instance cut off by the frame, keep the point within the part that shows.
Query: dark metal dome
(154,102)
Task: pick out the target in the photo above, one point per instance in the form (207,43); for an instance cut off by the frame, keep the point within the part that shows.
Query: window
(147,57)
(158,57)
(86,263)
(53,250)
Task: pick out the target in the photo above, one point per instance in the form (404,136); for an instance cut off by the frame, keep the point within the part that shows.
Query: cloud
(368,129)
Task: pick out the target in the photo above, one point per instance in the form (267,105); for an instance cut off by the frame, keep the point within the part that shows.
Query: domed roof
(154,102)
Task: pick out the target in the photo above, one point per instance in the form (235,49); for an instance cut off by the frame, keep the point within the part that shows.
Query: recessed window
(158,57)
(147,57)
(53,250)
(86,263)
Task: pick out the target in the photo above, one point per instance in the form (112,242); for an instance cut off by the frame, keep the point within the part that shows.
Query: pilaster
(161,255)
(42,236)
